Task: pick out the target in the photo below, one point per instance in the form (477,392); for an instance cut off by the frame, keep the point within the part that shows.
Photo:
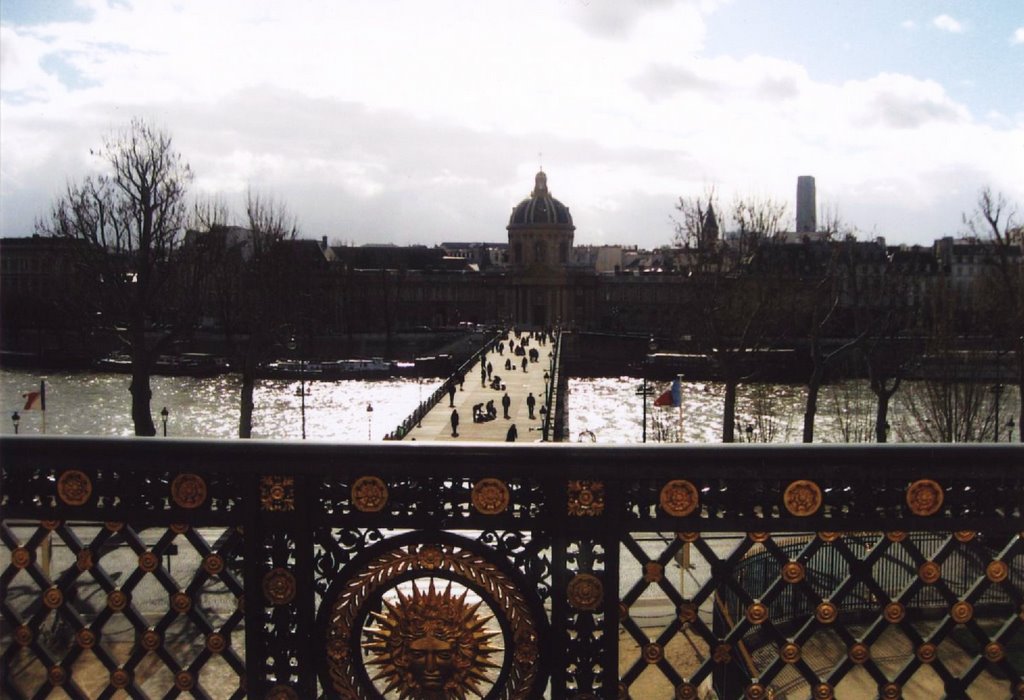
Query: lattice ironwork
(223,570)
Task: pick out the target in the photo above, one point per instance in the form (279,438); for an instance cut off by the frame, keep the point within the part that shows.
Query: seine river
(605,410)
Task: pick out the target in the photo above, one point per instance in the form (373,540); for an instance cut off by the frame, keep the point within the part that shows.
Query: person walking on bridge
(512,433)
(506,403)
(531,403)
(455,422)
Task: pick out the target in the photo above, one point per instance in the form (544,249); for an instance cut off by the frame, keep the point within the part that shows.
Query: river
(607,410)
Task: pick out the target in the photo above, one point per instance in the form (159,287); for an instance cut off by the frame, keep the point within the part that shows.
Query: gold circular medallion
(148,561)
(117,600)
(213,564)
(216,643)
(83,560)
(490,496)
(924,497)
(188,491)
(85,638)
(964,535)
(687,612)
(927,652)
(891,691)
(793,572)
(894,613)
(281,692)
(181,603)
(430,557)
(858,653)
(20,558)
(585,592)
(653,572)
(961,612)
(53,598)
(50,525)
(150,640)
(23,635)
(179,528)
(653,653)
(679,498)
(829,536)
(688,536)
(823,691)
(896,536)
(74,487)
(279,586)
(686,691)
(994,652)
(930,572)
(997,571)
(790,653)
(120,678)
(802,498)
(758,536)
(183,680)
(826,612)
(57,676)
(755,691)
(113,526)
(722,654)
(369,494)
(757,613)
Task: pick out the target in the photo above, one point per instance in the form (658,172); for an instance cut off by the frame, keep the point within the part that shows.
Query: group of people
(485,412)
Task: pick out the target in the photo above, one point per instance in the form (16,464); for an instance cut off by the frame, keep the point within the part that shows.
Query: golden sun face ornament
(432,644)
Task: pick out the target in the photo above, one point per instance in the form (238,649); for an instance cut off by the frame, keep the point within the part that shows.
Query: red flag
(33,401)
(673,397)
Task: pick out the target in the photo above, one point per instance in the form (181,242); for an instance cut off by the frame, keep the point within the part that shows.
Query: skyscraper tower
(806,205)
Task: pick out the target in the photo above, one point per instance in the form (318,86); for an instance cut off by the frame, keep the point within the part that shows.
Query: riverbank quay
(803,570)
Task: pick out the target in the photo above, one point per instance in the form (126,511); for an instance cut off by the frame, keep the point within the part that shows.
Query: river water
(605,410)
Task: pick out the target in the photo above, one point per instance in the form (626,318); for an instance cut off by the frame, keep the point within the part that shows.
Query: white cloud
(948,24)
(1018,36)
(909,24)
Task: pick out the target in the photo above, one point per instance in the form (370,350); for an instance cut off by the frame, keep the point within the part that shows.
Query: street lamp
(369,421)
(16,419)
(292,345)
(163,418)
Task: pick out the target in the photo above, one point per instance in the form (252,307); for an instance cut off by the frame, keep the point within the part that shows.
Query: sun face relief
(432,645)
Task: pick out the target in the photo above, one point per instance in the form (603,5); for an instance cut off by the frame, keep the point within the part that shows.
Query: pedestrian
(462,380)
(512,433)
(451,394)
(508,364)
(501,348)
(531,402)
(489,370)
(506,403)
(525,362)
(455,422)
(483,375)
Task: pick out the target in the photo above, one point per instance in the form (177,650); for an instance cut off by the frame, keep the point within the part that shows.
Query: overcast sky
(422,121)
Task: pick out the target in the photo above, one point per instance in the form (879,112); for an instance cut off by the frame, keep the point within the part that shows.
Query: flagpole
(681,438)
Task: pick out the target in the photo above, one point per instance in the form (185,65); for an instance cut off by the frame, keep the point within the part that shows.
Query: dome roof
(540,208)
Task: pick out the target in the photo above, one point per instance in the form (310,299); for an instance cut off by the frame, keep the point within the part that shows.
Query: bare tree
(130,219)
(734,306)
(1002,292)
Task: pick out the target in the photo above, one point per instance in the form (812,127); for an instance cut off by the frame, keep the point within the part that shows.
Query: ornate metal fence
(287,570)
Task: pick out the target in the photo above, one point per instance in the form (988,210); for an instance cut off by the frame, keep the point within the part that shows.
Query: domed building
(540,229)
(540,236)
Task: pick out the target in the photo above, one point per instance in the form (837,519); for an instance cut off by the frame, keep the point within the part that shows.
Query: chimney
(806,205)
(323,243)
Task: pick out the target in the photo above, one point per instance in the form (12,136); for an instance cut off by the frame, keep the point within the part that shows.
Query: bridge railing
(234,569)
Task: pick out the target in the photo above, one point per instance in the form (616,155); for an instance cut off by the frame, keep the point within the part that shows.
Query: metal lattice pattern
(97,608)
(821,614)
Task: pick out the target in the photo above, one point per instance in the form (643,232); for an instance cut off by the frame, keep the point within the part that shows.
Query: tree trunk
(141,392)
(811,407)
(882,416)
(729,411)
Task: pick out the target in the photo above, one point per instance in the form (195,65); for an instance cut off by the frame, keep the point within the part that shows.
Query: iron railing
(228,569)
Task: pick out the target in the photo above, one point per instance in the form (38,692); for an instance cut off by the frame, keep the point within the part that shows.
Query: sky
(412,122)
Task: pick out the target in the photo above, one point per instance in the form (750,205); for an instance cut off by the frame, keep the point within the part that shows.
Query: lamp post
(16,419)
(644,391)
(292,345)
(369,421)
(163,418)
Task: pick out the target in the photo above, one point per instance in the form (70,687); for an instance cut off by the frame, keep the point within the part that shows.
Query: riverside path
(516,382)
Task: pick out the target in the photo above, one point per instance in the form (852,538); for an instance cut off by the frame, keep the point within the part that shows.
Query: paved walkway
(436,425)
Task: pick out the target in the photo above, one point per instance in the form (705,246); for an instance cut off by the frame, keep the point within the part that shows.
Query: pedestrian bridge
(245,568)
